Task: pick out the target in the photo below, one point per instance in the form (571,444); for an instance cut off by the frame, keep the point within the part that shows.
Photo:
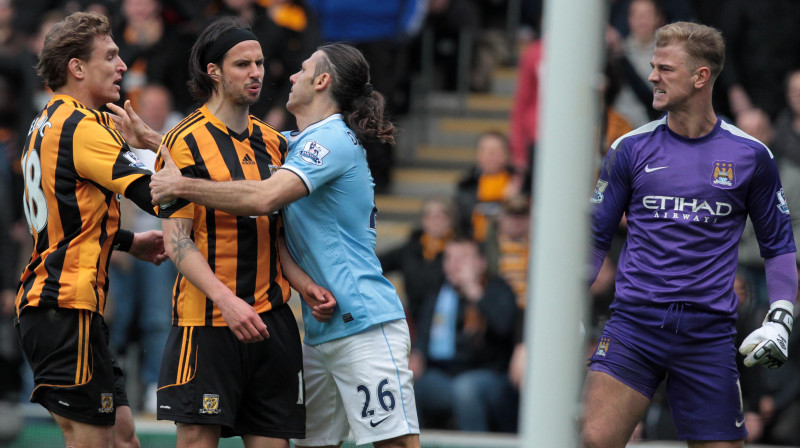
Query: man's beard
(240,98)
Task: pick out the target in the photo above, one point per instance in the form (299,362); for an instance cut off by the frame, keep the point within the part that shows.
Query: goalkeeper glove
(769,345)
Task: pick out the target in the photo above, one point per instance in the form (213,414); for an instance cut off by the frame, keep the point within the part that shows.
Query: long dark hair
(200,83)
(362,107)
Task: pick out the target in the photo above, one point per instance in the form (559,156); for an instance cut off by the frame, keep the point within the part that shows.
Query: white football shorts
(360,383)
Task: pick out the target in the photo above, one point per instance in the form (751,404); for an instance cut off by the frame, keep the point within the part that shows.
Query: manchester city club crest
(602,347)
(210,404)
(106,403)
(723,176)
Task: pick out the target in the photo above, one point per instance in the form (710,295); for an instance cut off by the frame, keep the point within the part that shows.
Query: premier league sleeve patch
(782,205)
(134,160)
(599,189)
(313,153)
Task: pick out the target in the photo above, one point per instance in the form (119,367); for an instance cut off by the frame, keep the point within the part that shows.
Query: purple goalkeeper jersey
(686,201)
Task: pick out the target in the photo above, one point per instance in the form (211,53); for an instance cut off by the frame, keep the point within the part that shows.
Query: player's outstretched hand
(769,345)
(135,131)
(149,246)
(321,302)
(243,320)
(165,180)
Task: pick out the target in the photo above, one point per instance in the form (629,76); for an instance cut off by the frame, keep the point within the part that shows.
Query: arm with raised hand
(241,318)
(240,197)
(133,129)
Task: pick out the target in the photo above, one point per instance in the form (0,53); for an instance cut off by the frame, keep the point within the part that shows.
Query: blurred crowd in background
(464,269)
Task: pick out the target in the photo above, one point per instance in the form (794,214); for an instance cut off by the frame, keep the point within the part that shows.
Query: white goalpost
(568,130)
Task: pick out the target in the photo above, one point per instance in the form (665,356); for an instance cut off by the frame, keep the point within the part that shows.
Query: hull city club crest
(106,403)
(210,404)
(723,174)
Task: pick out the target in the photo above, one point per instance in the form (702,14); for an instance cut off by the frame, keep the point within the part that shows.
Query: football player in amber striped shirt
(233,361)
(76,166)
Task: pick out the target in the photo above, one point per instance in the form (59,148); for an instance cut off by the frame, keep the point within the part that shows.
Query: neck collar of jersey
(294,135)
(214,120)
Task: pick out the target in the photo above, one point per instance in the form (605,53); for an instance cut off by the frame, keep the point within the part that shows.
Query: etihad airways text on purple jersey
(686,201)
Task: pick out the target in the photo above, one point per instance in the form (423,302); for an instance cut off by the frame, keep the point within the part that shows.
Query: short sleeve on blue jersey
(317,164)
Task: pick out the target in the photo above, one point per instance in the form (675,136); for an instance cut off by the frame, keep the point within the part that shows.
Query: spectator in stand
(142,292)
(481,193)
(382,31)
(614,125)
(420,258)
(786,144)
(524,118)
(631,56)
(154,52)
(507,251)
(763,45)
(674,10)
(463,347)
(507,246)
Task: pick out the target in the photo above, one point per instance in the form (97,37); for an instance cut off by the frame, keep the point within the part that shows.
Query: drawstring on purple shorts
(674,308)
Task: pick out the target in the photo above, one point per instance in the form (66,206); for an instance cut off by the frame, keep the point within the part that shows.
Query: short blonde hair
(704,44)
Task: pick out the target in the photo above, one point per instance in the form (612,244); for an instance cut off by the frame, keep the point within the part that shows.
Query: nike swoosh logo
(374,424)
(647,168)
(740,423)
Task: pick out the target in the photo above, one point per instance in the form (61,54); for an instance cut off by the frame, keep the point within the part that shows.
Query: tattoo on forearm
(182,245)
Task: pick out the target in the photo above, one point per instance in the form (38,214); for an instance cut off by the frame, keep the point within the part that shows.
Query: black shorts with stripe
(74,373)
(209,377)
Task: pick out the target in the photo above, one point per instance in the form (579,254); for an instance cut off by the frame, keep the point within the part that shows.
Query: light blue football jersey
(331,232)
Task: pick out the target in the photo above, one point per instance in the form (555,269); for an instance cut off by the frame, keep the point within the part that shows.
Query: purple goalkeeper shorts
(694,350)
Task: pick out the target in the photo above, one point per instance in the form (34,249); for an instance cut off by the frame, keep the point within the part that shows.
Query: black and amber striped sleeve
(102,156)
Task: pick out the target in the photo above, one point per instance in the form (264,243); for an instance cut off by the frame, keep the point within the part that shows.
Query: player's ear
(322,81)
(213,71)
(702,75)
(75,66)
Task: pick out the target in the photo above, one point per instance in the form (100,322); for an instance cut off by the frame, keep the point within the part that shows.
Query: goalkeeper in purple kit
(686,184)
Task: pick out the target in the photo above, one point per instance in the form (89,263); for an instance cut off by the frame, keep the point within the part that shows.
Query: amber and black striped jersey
(241,250)
(75,165)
